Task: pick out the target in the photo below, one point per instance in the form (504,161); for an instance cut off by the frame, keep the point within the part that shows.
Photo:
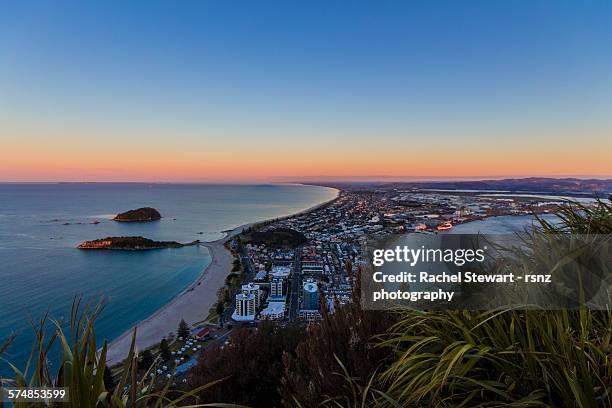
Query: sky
(197,91)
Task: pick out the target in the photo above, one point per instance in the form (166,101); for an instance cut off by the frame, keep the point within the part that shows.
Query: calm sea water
(40,226)
(505,224)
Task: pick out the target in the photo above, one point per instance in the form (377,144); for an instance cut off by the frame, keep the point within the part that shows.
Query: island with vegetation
(131,244)
(143,214)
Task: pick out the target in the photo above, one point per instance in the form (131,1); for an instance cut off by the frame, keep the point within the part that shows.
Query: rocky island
(131,244)
(143,214)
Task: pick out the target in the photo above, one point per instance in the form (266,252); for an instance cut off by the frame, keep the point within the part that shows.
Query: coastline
(193,303)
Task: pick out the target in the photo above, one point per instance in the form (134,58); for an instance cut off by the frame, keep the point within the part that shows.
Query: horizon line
(313,179)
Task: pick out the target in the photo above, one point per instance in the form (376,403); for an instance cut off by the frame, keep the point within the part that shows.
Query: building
(274,311)
(202,334)
(310,296)
(312,268)
(310,301)
(261,276)
(281,271)
(245,307)
(276,287)
(310,315)
(252,288)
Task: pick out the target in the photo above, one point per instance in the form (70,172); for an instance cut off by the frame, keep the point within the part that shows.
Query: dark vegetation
(232,284)
(277,238)
(343,343)
(130,243)
(164,350)
(183,330)
(109,380)
(146,360)
(251,365)
(143,214)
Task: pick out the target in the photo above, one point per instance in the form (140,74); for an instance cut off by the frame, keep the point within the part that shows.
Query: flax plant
(512,357)
(81,369)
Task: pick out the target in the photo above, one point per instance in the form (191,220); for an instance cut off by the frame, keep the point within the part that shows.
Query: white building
(312,268)
(261,276)
(252,288)
(245,307)
(274,311)
(310,315)
(310,295)
(276,287)
(281,271)
(310,301)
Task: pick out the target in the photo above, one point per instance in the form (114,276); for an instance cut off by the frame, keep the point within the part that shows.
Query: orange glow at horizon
(76,163)
(54,153)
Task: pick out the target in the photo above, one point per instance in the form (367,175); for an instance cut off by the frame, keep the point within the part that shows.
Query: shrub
(82,369)
(511,357)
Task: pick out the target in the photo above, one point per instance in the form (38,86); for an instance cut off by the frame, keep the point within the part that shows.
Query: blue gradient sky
(247,90)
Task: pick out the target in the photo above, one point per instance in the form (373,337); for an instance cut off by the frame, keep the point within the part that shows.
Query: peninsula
(143,214)
(131,244)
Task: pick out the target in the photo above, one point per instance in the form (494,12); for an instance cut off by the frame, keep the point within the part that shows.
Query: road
(293,291)
(296,280)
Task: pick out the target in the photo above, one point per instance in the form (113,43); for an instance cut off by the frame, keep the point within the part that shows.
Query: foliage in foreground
(82,369)
(510,358)
(517,358)
(251,365)
(336,362)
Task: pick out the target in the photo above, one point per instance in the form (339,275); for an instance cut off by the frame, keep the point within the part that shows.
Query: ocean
(505,224)
(41,224)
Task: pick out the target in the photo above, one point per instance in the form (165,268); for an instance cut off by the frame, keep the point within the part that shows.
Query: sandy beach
(193,304)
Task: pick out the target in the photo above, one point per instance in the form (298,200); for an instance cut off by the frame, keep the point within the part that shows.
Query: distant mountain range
(571,186)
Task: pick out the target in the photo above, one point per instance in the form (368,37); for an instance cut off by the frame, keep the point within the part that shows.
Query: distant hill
(531,184)
(567,186)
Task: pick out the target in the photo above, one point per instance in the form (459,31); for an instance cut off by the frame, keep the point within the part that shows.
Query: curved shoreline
(194,302)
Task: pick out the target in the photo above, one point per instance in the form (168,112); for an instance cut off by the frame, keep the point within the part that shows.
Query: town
(294,265)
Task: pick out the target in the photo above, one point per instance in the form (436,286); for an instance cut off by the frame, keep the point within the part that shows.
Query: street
(296,280)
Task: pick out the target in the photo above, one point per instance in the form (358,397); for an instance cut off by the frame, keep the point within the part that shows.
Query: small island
(131,244)
(143,214)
